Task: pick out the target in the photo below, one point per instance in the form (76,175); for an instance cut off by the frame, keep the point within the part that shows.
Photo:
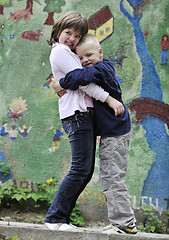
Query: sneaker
(73,226)
(130,230)
(107,227)
(65,227)
(59,226)
(114,229)
(53,226)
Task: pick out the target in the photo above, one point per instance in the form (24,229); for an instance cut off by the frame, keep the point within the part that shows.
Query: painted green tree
(53,6)
(4,3)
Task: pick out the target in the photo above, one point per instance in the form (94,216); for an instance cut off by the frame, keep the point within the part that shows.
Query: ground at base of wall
(35,217)
(10,215)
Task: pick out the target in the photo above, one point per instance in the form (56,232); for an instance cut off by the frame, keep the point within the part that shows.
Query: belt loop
(90,110)
(77,120)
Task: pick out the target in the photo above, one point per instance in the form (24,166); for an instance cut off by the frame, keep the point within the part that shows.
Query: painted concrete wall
(134,35)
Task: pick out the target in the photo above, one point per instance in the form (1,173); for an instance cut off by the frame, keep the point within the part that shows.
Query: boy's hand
(115,105)
(58,89)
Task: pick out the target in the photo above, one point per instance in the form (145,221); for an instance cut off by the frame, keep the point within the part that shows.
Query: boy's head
(89,50)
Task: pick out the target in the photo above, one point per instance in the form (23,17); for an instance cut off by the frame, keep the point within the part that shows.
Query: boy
(114,131)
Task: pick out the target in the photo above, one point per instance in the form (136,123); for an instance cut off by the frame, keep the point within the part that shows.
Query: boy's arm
(99,94)
(91,89)
(80,77)
(76,78)
(115,105)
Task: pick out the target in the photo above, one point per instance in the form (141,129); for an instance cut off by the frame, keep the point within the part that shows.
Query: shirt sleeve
(95,91)
(66,62)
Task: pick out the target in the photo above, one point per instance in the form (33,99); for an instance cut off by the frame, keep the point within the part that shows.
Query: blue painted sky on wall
(135,3)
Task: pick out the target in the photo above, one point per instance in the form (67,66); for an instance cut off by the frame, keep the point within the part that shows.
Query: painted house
(101,24)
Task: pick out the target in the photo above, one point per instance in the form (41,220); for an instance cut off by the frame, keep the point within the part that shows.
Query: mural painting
(31,134)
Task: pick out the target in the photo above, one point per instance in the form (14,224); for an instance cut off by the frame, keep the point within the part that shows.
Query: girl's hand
(115,105)
(55,84)
(61,92)
(58,89)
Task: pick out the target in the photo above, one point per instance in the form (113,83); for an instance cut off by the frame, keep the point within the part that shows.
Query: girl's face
(70,38)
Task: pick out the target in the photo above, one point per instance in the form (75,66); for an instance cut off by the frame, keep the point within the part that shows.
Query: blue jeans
(80,130)
(164,57)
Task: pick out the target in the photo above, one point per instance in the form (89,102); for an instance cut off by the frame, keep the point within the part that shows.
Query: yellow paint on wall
(92,32)
(103,31)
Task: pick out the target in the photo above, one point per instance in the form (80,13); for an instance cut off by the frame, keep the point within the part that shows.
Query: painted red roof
(100,18)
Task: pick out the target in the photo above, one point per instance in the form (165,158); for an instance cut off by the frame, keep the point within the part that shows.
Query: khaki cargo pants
(113,166)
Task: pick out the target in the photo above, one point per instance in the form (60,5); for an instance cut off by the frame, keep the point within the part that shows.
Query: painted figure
(13,133)
(56,139)
(164,52)
(4,131)
(24,132)
(46,84)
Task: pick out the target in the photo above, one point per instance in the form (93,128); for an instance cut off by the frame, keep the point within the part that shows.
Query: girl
(77,116)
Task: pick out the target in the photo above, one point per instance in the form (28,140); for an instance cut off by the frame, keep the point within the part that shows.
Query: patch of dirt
(9,215)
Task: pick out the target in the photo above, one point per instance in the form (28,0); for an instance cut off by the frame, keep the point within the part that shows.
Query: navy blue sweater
(102,74)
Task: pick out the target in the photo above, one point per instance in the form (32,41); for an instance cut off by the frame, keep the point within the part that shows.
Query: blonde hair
(90,38)
(68,20)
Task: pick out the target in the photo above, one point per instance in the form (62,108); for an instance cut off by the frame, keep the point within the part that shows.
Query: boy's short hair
(89,37)
(68,20)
